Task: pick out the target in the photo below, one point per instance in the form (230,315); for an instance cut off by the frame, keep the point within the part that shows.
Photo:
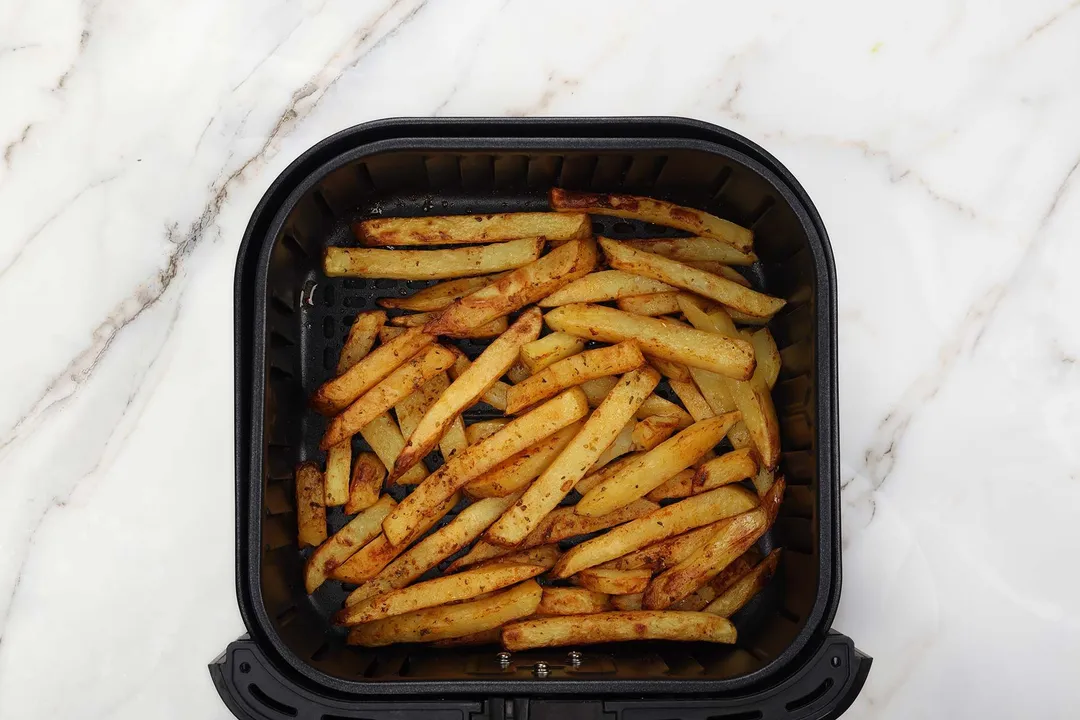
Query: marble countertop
(939,140)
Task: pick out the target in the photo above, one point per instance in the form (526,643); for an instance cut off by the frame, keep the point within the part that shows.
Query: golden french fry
(714,389)
(469,387)
(338,393)
(385,438)
(746,587)
(395,387)
(551,348)
(681,485)
(692,398)
(663,523)
(571,601)
(664,303)
(653,468)
(565,523)
(700,598)
(618,447)
(472,229)
(763,481)
(613,582)
(617,627)
(626,602)
(484,428)
(412,408)
(495,396)
(693,348)
(604,286)
(389,332)
(477,459)
(359,531)
(457,620)
(439,591)
(492,328)
(652,431)
(440,295)
(430,264)
(667,553)
(672,272)
(574,461)
(596,390)
(518,373)
(338,462)
(368,474)
(519,288)
(574,370)
(543,555)
(606,471)
(670,370)
(657,212)
(695,249)
(310,505)
(726,469)
(370,560)
(433,549)
(768,356)
(362,334)
(518,471)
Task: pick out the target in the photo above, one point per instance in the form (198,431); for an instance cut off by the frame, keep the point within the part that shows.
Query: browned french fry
(671,370)
(672,272)
(394,388)
(618,447)
(495,396)
(362,334)
(768,357)
(665,303)
(518,471)
(746,587)
(492,328)
(389,332)
(385,438)
(681,485)
(574,461)
(574,370)
(763,481)
(726,469)
(596,477)
(358,532)
(338,393)
(695,249)
(338,461)
(693,348)
(310,505)
(616,627)
(693,400)
(543,555)
(484,637)
(708,592)
(652,431)
(566,523)
(667,553)
(430,264)
(519,288)
(657,212)
(477,459)
(626,602)
(412,408)
(604,286)
(596,390)
(471,229)
(549,349)
(469,387)
(368,475)
(571,601)
(613,582)
(457,620)
(517,373)
(656,466)
(439,296)
(484,428)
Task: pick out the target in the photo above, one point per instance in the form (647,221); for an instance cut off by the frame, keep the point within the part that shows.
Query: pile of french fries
(672,525)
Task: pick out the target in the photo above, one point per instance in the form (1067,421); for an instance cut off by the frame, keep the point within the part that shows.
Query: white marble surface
(940,141)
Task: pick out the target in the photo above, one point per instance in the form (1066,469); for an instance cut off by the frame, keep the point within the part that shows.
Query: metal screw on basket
(574,657)
(540,670)
(504,659)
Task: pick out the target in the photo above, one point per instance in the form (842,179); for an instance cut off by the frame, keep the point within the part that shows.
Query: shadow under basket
(291,322)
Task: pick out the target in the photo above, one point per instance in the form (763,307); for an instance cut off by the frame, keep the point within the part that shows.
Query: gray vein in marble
(88,10)
(466,67)
(1051,21)
(9,149)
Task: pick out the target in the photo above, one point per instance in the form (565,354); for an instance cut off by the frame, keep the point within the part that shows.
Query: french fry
(385,438)
(477,459)
(394,388)
(338,393)
(433,549)
(768,357)
(368,474)
(618,447)
(617,627)
(604,472)
(746,587)
(517,373)
(711,590)
(726,469)
(519,288)
(310,505)
(656,466)
(439,591)
(574,461)
(450,621)
(571,601)
(695,249)
(440,295)
(430,264)
(495,396)
(338,463)
(692,399)
(681,485)
(389,332)
(714,389)
(596,390)
(693,512)
(764,480)
(670,370)
(484,553)
(358,532)
(694,348)
(667,553)
(518,471)
(413,406)
(565,523)
(370,560)
(484,428)
(657,212)
(362,334)
(543,555)
(665,303)
(492,328)
(604,286)
(574,370)
(652,431)
(472,229)
(484,637)
(613,582)
(626,602)
(549,349)
(672,272)
(469,387)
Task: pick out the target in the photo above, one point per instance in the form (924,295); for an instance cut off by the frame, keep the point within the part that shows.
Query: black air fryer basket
(291,322)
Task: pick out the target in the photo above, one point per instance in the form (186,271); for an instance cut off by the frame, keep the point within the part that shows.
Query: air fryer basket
(292,321)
